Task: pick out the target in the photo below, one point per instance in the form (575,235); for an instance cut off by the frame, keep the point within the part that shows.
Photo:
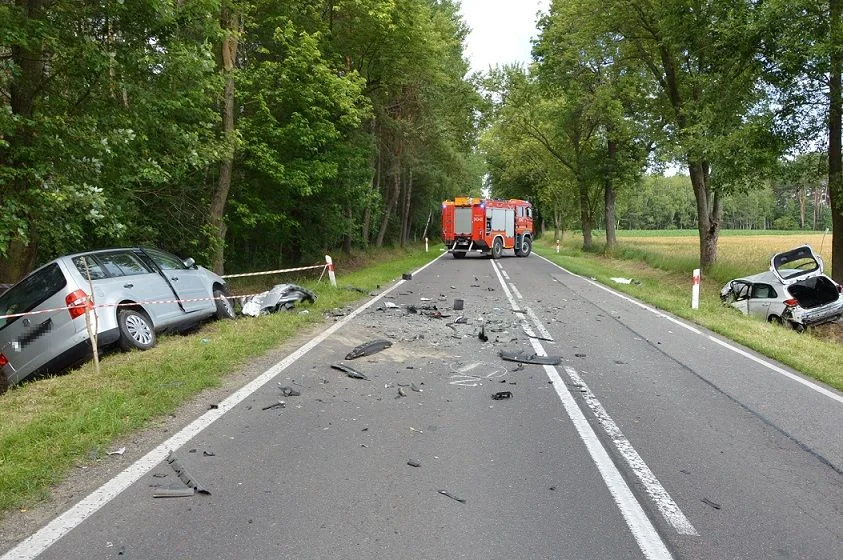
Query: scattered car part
(117,451)
(453,497)
(290,392)
(184,476)
(390,305)
(407,276)
(279,404)
(368,348)
(715,505)
(500,395)
(349,371)
(482,334)
(281,296)
(523,358)
(414,463)
(459,305)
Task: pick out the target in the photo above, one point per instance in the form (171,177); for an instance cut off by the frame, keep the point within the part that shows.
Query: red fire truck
(487,226)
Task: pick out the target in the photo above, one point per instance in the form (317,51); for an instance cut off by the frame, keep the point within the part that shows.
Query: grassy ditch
(50,425)
(665,282)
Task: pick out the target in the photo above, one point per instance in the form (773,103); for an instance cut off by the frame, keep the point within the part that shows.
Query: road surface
(651,438)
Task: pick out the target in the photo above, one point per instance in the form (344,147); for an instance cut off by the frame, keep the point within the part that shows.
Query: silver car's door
(760,298)
(31,341)
(191,284)
(740,295)
(125,277)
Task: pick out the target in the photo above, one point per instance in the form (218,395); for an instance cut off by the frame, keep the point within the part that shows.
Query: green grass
(48,426)
(665,283)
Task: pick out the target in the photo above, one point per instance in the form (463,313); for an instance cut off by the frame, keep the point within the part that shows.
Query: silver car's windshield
(30,292)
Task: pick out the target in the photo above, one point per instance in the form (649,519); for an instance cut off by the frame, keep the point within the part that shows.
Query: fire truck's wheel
(497,248)
(459,254)
(526,247)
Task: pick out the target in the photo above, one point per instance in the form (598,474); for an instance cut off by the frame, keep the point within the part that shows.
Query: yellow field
(749,252)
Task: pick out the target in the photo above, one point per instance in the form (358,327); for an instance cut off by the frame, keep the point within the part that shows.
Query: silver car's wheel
(135,330)
(224,308)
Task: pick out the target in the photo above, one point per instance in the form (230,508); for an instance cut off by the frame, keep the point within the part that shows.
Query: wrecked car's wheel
(459,254)
(798,327)
(526,247)
(497,248)
(775,320)
(135,330)
(224,308)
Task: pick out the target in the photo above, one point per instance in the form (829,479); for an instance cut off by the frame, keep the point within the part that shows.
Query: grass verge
(50,425)
(667,286)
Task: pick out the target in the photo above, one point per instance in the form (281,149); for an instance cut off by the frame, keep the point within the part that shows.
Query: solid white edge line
(668,508)
(45,537)
(639,524)
(809,384)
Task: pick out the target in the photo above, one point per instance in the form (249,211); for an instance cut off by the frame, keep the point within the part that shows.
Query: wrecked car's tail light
(78,302)
(792,302)
(3,359)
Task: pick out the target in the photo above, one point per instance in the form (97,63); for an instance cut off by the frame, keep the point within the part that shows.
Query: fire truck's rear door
(462,221)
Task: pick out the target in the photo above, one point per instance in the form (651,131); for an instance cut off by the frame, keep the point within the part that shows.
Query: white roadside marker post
(557,246)
(330,262)
(425,244)
(695,290)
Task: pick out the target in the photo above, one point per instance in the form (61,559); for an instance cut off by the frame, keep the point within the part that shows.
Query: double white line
(639,524)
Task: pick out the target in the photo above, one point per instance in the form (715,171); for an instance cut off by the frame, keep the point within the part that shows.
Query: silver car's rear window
(31,292)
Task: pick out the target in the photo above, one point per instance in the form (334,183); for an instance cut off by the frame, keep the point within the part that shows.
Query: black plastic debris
(349,371)
(184,476)
(279,404)
(453,497)
(407,276)
(530,358)
(459,305)
(213,406)
(500,395)
(367,349)
(412,309)
(580,355)
(482,334)
(708,502)
(208,454)
(290,392)
(414,463)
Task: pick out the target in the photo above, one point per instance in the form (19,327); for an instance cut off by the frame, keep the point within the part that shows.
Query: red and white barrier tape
(274,271)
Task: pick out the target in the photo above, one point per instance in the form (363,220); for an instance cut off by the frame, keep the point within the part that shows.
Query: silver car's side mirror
(189,262)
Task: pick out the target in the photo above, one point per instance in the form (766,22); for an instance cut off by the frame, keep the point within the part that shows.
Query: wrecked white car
(794,292)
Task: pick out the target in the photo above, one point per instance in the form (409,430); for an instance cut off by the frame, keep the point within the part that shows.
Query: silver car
(794,292)
(137,292)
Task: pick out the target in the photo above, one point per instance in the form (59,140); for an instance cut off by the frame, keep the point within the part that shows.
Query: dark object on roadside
(412,309)
(580,355)
(349,371)
(414,463)
(208,454)
(502,395)
(446,493)
(184,476)
(367,349)
(279,404)
(213,406)
(482,334)
(290,392)
(459,305)
(407,276)
(281,296)
(715,505)
(530,358)
(401,393)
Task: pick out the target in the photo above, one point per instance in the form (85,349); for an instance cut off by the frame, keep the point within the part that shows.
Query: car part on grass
(117,451)
(184,476)
(290,392)
(524,358)
(368,348)
(281,296)
(500,395)
(349,371)
(407,276)
(414,463)
(453,497)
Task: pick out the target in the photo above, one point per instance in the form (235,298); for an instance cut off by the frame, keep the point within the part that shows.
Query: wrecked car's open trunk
(814,292)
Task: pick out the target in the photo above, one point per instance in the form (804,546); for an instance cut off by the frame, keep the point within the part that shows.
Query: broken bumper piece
(524,358)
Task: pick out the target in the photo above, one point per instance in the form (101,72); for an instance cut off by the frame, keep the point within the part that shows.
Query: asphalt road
(650,439)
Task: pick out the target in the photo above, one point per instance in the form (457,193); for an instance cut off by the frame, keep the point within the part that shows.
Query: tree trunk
(609,199)
(230,22)
(709,212)
(835,157)
(585,215)
(800,194)
(349,225)
(392,199)
(405,214)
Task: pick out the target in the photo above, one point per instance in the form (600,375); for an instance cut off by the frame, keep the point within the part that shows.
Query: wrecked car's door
(796,264)
(740,295)
(760,298)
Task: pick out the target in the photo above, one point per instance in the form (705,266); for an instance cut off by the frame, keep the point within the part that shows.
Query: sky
(500,30)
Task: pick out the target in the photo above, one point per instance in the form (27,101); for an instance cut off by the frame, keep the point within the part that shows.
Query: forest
(253,133)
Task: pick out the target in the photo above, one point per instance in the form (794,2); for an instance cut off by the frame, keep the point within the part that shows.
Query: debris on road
(401,393)
(349,371)
(279,404)
(117,451)
(459,305)
(289,391)
(580,355)
(529,332)
(414,463)
(178,492)
(281,296)
(482,334)
(530,358)
(367,349)
(708,502)
(448,494)
(502,395)
(208,454)
(184,476)
(407,276)
(390,305)
(412,429)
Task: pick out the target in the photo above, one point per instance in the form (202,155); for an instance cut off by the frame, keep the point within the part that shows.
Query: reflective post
(695,290)
(330,262)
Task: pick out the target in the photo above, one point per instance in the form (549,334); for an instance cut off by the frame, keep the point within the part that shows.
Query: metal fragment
(448,494)
(530,358)
(349,371)
(502,395)
(368,348)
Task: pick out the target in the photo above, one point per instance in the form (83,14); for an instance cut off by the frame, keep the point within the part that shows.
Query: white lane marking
(505,275)
(639,524)
(778,370)
(626,298)
(544,332)
(809,384)
(515,291)
(45,537)
(668,508)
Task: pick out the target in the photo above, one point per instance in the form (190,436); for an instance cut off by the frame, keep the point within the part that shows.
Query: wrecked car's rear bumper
(818,315)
